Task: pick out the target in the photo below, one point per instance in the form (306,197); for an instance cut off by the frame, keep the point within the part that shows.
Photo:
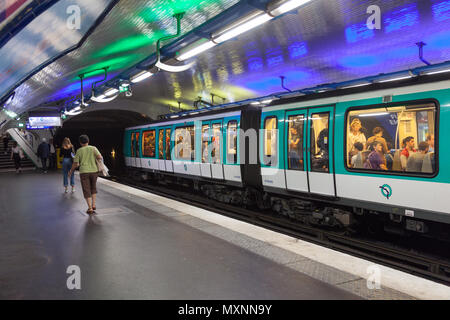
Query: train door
(217,149)
(167,146)
(161,150)
(272,151)
(132,149)
(320,151)
(137,144)
(296,146)
(205,166)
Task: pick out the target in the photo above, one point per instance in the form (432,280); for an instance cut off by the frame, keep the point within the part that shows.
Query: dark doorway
(105,129)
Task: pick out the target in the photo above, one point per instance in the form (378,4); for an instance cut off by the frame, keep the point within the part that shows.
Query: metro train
(375,158)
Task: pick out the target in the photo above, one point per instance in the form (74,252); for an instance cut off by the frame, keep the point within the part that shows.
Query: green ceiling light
(129,44)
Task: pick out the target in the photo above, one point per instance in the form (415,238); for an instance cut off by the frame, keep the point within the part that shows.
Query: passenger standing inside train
(408,143)
(357,161)
(430,141)
(86,158)
(43,153)
(355,135)
(415,160)
(378,136)
(294,148)
(376,160)
(67,152)
(17,155)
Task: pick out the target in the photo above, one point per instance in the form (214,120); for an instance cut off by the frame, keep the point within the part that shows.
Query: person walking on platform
(43,153)
(86,158)
(17,155)
(52,165)
(6,139)
(67,152)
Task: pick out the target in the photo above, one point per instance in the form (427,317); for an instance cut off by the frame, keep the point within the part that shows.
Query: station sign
(37,127)
(44,121)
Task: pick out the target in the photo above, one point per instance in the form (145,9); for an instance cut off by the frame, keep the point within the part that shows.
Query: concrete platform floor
(127,251)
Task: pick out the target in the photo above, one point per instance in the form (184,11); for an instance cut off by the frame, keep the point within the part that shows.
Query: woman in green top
(86,158)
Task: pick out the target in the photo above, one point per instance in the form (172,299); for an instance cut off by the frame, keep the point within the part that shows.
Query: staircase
(6,164)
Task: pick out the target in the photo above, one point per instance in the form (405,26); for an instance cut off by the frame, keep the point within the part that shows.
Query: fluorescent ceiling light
(356,85)
(170,68)
(174,117)
(394,79)
(288,6)
(103,98)
(141,76)
(255,103)
(111,92)
(436,72)
(267,101)
(195,51)
(244,27)
(373,114)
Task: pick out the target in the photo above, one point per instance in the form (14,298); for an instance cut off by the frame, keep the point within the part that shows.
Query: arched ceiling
(324,42)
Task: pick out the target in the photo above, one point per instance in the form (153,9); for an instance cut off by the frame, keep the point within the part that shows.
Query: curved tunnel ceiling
(323,42)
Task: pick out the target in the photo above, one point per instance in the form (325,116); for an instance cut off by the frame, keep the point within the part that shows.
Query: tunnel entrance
(105,129)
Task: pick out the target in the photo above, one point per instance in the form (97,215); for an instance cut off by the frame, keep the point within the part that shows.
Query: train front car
(363,159)
(206,152)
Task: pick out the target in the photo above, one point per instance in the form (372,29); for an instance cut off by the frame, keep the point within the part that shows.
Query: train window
(205,143)
(216,142)
(295,145)
(270,140)
(168,155)
(185,143)
(148,144)
(132,148)
(232,142)
(392,139)
(136,144)
(320,142)
(161,144)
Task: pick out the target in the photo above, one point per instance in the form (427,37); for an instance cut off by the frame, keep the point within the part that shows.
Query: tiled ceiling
(324,42)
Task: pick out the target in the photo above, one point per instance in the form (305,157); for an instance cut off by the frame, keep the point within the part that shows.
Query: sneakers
(73,189)
(66,190)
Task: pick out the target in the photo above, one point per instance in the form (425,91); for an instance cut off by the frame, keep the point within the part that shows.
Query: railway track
(421,264)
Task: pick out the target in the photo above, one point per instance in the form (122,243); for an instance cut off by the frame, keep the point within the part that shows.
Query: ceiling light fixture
(141,76)
(356,85)
(111,92)
(288,6)
(395,79)
(429,73)
(374,114)
(242,28)
(195,49)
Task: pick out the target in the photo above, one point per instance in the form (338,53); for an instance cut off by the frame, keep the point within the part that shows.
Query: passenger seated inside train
(408,145)
(378,136)
(376,159)
(415,160)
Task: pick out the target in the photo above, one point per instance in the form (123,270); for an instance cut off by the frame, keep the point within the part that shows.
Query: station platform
(143,246)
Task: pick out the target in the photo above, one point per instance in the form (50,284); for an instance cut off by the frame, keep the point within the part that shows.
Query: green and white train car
(379,152)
